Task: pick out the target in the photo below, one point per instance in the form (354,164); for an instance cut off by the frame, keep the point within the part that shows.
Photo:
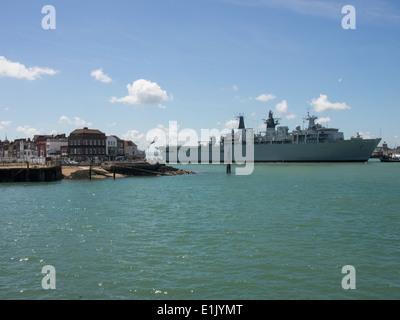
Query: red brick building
(40,145)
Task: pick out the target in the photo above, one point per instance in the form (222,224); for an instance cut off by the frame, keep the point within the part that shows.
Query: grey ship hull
(354,150)
(357,150)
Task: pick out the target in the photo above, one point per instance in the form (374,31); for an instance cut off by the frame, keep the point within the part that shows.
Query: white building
(54,146)
(131,151)
(114,147)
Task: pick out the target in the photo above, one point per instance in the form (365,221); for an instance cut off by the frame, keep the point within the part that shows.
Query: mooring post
(90,171)
(27,171)
(114,172)
(228,168)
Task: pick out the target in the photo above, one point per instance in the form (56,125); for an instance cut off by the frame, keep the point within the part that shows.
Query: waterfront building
(87,144)
(54,145)
(4,146)
(27,148)
(21,149)
(64,151)
(114,147)
(40,145)
(17,149)
(130,149)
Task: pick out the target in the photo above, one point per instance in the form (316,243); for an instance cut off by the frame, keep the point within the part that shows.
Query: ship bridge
(315,132)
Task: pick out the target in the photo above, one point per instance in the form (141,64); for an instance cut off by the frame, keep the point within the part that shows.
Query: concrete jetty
(30,174)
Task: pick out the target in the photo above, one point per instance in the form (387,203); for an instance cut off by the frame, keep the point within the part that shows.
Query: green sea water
(283,232)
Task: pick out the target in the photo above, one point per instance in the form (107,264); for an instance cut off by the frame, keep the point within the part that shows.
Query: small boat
(390,158)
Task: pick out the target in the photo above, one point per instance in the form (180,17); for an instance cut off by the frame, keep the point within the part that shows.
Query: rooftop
(129,143)
(85,130)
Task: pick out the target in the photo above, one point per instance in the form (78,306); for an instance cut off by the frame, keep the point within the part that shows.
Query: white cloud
(266,97)
(54,132)
(138,138)
(322,104)
(100,76)
(76,121)
(144,92)
(172,135)
(366,135)
(19,71)
(160,135)
(28,131)
(323,120)
(282,109)
(232,124)
(5,123)
(235,87)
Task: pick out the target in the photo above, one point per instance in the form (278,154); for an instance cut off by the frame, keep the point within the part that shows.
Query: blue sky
(126,67)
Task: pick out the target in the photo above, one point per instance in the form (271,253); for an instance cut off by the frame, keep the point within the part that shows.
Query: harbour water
(283,232)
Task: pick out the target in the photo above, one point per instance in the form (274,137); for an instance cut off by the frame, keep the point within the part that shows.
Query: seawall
(26,174)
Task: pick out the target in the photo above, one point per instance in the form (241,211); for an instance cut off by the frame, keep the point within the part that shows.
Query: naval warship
(315,143)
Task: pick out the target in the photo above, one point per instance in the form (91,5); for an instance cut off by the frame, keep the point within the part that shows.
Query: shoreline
(40,173)
(120,170)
